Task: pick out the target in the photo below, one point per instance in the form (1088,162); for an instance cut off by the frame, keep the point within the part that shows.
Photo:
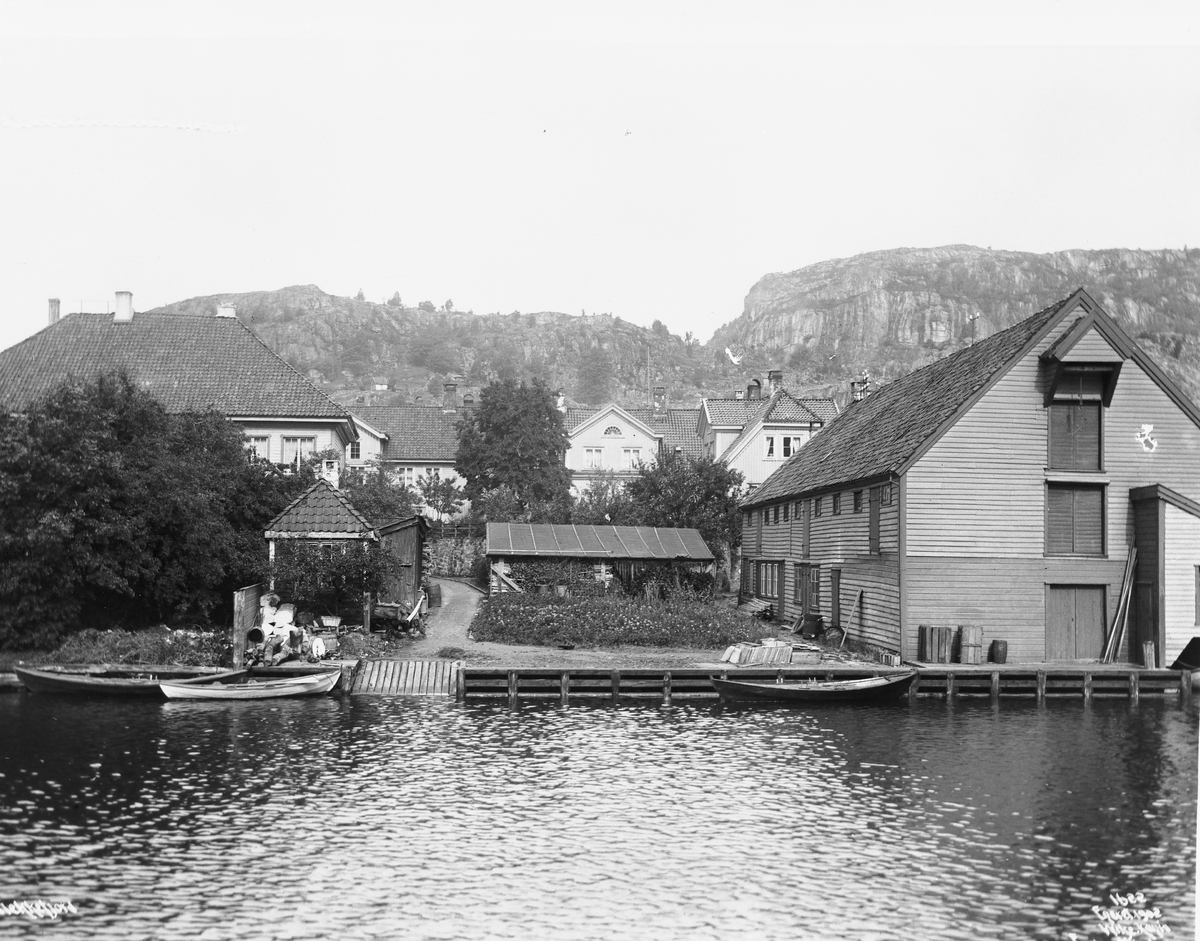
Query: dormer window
(1076,409)
(612,431)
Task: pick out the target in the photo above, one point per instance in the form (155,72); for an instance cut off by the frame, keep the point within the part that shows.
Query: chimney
(54,309)
(739,395)
(561,402)
(660,398)
(775,380)
(754,390)
(331,470)
(450,396)
(468,400)
(226,310)
(859,389)
(124,312)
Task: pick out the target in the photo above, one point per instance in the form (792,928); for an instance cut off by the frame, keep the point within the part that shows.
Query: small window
(817,506)
(857,501)
(593,457)
(260,447)
(776,519)
(355,451)
(612,431)
(770,445)
(631,457)
(837,504)
(296,450)
(768,579)
(786,507)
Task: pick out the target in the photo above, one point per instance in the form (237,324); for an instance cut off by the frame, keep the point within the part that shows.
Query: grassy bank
(154,645)
(549,621)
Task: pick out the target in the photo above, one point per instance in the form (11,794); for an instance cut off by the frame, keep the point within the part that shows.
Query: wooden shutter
(1074,520)
(1089,520)
(1075,436)
(1060,520)
(873,524)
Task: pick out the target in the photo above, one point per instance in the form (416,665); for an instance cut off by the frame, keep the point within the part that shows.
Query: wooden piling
(949,686)
(616,685)
(1133,685)
(995,685)
(1087,687)
(1185,684)
(1041,686)
(666,689)
(512,685)
(564,684)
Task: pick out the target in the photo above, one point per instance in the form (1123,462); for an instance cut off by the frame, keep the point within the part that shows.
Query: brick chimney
(754,390)
(55,307)
(775,380)
(226,310)
(124,311)
(859,389)
(660,398)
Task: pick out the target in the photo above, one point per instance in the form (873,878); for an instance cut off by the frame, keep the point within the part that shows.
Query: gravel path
(448,625)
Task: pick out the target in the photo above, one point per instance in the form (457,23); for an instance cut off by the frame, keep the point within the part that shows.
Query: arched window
(612,430)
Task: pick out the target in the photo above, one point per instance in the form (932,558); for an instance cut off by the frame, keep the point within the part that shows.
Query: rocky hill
(889,311)
(882,313)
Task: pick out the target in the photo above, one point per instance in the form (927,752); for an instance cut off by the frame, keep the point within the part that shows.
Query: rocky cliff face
(886,312)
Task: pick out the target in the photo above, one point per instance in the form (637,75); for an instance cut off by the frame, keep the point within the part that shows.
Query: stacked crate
(935,644)
(971,644)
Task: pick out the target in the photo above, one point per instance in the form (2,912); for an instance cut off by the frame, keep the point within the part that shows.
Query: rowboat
(239,684)
(872,688)
(105,679)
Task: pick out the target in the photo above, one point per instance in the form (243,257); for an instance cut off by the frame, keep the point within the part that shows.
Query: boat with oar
(242,684)
(868,689)
(99,679)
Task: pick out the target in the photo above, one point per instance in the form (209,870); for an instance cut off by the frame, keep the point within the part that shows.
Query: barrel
(999,651)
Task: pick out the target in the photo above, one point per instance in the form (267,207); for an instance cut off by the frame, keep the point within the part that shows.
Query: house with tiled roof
(188,363)
(1008,487)
(619,440)
(755,435)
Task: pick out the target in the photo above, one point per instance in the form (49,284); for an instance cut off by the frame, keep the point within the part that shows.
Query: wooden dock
(406,677)
(1034,683)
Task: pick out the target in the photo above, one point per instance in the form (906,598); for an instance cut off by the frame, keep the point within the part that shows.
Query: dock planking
(407,678)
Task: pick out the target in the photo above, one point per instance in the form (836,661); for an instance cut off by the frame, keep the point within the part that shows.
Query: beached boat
(105,679)
(871,688)
(239,684)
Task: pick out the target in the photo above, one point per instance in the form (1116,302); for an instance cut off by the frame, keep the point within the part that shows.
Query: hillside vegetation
(882,313)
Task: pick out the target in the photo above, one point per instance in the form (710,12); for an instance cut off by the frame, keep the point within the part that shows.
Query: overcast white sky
(649,160)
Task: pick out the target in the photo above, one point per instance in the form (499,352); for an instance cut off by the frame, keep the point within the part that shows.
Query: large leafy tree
(691,493)
(376,495)
(605,503)
(113,511)
(515,438)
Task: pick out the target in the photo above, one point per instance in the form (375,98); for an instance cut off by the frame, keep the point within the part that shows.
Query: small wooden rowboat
(106,680)
(889,686)
(238,684)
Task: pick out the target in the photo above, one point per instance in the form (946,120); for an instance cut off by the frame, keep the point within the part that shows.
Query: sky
(648,160)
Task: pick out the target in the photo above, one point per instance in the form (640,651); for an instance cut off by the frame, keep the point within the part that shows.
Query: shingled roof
(414,432)
(187,362)
(877,436)
(678,426)
(321,509)
(782,408)
(600,542)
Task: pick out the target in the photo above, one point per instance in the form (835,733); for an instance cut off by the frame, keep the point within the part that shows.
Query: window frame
(1074,487)
(354,451)
(769,440)
(837,504)
(593,458)
(1057,407)
(858,501)
(816,507)
(770,574)
(252,446)
(299,455)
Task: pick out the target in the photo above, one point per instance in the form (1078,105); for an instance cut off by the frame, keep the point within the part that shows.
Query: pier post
(460,681)
(616,685)
(949,686)
(666,689)
(1087,687)
(1133,686)
(564,684)
(1041,685)
(995,685)
(1185,684)
(512,686)
(916,686)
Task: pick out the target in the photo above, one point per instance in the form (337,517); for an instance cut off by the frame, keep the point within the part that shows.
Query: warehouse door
(1075,628)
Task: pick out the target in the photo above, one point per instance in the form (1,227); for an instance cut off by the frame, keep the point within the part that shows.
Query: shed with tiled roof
(322,512)
(999,488)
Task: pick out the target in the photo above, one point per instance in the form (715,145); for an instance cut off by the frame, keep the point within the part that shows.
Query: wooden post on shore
(666,689)
(1041,685)
(916,686)
(512,686)
(995,685)
(460,681)
(1133,685)
(1087,687)
(564,683)
(616,685)
(1185,684)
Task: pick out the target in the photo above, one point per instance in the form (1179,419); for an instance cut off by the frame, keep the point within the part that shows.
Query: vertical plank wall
(1182,546)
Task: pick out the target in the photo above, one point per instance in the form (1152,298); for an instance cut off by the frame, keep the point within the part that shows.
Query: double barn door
(1075,622)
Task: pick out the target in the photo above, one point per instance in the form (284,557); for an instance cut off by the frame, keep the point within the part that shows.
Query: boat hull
(871,689)
(238,686)
(104,681)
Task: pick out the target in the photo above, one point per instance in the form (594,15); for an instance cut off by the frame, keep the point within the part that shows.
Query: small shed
(523,556)
(321,514)
(405,539)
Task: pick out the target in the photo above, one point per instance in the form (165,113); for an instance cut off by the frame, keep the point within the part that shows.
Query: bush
(613,621)
(185,648)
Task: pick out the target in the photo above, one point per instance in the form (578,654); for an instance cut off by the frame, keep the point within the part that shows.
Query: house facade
(756,435)
(1003,486)
(188,363)
(618,440)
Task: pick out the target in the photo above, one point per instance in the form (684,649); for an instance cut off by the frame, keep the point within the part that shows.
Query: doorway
(1075,622)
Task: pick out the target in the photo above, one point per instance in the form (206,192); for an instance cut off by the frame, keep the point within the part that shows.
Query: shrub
(185,648)
(612,621)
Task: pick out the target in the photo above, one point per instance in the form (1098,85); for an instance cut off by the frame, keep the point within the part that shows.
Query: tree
(515,437)
(360,296)
(426,306)
(376,496)
(444,497)
(604,503)
(395,300)
(113,510)
(328,576)
(448,306)
(693,493)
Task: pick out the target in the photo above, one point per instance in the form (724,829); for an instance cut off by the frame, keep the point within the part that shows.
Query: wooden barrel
(999,651)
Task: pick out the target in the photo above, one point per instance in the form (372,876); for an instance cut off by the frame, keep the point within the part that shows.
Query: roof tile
(320,509)
(415,432)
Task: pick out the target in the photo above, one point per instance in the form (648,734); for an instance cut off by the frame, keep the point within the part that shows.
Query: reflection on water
(371,817)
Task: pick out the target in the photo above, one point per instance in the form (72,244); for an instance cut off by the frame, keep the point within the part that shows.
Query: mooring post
(1041,685)
(460,681)
(995,685)
(916,686)
(512,685)
(1185,684)
(1133,685)
(616,685)
(1087,686)
(666,689)
(949,686)
(564,683)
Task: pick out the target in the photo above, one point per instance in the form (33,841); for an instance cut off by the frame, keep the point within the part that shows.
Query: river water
(365,817)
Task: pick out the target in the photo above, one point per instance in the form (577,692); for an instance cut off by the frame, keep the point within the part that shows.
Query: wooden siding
(1182,546)
(1006,597)
(751,458)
